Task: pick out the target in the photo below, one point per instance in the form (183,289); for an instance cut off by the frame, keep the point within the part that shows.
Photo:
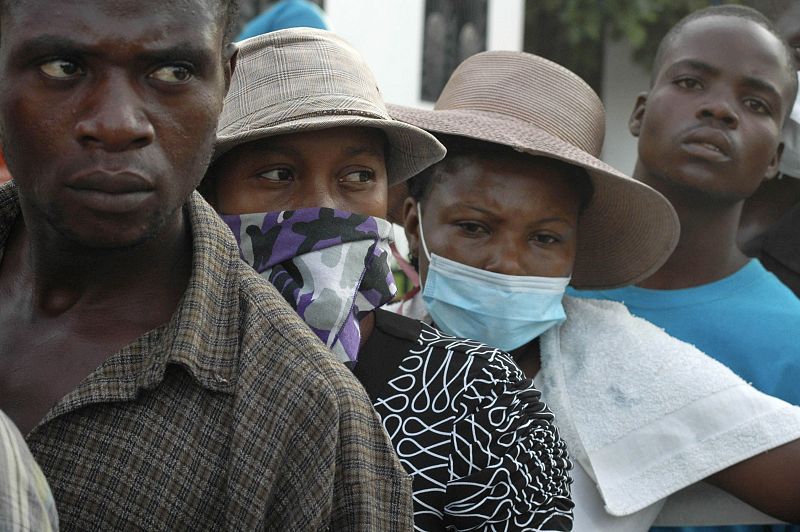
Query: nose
(316,192)
(505,257)
(115,119)
(719,108)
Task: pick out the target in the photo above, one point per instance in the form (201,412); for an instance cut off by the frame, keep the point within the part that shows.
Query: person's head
(494,208)
(108,110)
(521,191)
(304,125)
(722,85)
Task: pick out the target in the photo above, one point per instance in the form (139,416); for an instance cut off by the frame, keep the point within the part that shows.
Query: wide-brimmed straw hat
(538,107)
(304,79)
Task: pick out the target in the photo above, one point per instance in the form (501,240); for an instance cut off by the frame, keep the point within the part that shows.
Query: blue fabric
(749,321)
(285,14)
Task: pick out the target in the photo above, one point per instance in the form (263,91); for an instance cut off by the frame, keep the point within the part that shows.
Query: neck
(707,249)
(150,277)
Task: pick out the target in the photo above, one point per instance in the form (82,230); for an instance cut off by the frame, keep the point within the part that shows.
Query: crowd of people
(200,328)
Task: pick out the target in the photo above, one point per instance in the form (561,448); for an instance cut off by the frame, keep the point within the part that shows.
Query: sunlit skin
(341,168)
(108,110)
(510,215)
(517,216)
(709,135)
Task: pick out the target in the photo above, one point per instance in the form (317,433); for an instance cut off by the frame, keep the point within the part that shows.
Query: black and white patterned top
(470,429)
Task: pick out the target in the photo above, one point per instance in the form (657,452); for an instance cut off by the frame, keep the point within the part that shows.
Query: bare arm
(769,482)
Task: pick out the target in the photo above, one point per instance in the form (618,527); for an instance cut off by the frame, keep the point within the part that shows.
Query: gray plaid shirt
(232,416)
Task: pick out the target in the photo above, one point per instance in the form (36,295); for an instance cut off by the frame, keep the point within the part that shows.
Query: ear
(635,121)
(411,225)
(774,163)
(230,54)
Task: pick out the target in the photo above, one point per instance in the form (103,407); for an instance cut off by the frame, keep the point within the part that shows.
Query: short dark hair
(458,150)
(735,11)
(772,9)
(228,11)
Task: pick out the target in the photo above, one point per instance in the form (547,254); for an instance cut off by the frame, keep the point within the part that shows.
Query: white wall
(623,80)
(388,33)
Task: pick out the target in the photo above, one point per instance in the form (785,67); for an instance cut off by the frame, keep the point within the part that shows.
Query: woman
(520,208)
(305,154)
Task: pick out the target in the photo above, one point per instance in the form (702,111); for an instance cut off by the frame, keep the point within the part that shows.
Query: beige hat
(304,79)
(535,106)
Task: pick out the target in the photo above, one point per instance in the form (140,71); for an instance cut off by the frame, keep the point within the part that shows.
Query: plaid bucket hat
(540,108)
(304,79)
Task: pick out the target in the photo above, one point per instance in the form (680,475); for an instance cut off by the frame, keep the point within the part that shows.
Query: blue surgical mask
(505,311)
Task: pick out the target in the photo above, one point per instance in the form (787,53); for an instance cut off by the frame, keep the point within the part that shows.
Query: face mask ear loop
(422,233)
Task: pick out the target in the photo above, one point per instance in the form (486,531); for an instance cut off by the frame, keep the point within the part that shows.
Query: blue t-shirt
(749,321)
(285,14)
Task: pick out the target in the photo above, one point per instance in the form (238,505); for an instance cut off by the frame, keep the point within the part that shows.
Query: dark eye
(278,175)
(757,105)
(61,69)
(174,74)
(359,176)
(546,239)
(472,228)
(688,83)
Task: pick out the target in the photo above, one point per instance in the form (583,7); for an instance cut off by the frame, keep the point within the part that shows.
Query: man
(161,383)
(285,14)
(709,133)
(25,499)
(768,229)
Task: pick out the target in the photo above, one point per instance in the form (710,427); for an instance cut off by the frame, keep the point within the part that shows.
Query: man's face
(108,110)
(711,122)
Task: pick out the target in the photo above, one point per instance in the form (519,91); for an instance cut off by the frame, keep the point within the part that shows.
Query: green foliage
(642,23)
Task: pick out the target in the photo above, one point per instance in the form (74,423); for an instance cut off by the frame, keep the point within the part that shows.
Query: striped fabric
(26,503)
(231,416)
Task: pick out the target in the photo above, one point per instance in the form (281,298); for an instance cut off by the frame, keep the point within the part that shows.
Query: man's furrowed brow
(694,65)
(182,52)
(42,45)
(761,85)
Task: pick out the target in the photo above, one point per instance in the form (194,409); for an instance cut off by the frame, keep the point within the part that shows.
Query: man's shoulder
(273,338)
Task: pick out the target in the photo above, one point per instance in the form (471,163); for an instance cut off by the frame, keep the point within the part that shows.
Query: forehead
(522,179)
(336,138)
(109,23)
(734,46)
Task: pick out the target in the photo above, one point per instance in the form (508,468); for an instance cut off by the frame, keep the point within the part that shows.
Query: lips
(111,191)
(111,182)
(708,143)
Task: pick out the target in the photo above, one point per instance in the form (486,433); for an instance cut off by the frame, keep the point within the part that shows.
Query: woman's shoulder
(422,338)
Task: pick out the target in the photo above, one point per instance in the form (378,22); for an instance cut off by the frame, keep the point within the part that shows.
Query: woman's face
(341,168)
(510,215)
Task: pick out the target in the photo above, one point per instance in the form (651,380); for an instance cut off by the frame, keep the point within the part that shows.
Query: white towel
(647,415)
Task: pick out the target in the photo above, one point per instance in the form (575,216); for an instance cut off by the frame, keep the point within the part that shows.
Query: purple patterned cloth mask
(332,266)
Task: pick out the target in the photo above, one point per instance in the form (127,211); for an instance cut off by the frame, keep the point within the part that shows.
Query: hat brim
(627,231)
(411,150)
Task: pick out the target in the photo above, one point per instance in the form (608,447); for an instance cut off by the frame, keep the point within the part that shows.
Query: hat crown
(530,89)
(295,73)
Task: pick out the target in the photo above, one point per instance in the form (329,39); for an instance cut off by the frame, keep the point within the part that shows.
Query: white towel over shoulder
(647,415)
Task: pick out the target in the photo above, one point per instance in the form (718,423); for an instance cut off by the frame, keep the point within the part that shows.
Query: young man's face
(108,110)
(711,122)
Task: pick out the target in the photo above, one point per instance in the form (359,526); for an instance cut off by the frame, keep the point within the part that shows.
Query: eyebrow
(757,84)
(64,46)
(353,151)
(549,219)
